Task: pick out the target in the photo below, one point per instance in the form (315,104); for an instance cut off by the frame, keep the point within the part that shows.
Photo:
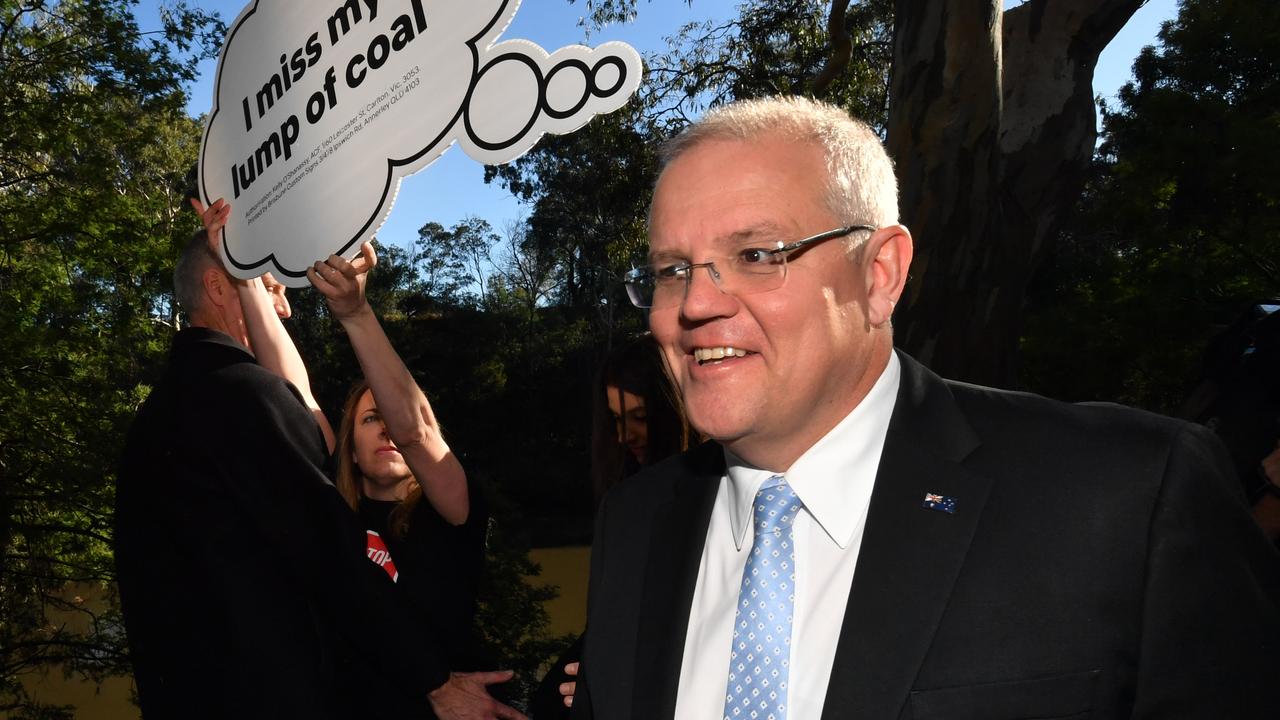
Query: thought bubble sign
(321,107)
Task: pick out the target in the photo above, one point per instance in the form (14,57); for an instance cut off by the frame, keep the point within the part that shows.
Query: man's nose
(703,297)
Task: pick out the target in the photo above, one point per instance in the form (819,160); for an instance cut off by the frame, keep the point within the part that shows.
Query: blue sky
(453,187)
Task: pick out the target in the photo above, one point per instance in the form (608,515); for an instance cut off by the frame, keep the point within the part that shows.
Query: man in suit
(866,540)
(241,570)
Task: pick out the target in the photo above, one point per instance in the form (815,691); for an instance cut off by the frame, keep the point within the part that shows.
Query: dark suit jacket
(1100,563)
(241,570)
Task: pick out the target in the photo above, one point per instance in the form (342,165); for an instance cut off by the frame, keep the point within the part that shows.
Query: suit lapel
(910,555)
(675,552)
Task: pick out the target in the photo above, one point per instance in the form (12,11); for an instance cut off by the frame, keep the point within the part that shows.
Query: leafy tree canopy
(94,152)
(1179,230)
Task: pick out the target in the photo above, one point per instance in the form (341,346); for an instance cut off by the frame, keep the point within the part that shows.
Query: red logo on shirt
(377,551)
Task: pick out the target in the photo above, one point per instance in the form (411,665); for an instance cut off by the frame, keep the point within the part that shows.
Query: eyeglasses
(748,271)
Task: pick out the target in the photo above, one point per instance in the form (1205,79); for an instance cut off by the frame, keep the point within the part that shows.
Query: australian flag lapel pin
(941,503)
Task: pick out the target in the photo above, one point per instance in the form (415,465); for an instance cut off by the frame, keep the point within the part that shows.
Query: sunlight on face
(386,475)
(768,373)
(278,299)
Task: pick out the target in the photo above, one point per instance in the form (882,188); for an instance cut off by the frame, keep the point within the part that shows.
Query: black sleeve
(467,541)
(441,577)
(582,709)
(546,702)
(1211,621)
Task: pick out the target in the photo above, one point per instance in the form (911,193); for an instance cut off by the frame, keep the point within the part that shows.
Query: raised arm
(271,343)
(410,421)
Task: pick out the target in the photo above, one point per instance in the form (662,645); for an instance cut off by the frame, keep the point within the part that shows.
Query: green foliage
(455,262)
(589,191)
(776,48)
(605,12)
(94,150)
(1179,229)
(511,617)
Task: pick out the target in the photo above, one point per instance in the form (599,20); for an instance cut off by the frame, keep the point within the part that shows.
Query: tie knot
(776,505)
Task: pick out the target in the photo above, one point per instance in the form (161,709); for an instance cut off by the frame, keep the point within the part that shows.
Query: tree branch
(841,48)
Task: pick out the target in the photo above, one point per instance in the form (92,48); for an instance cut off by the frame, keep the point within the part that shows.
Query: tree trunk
(992,125)
(944,122)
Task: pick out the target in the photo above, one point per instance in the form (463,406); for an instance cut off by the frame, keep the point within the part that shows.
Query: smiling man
(864,539)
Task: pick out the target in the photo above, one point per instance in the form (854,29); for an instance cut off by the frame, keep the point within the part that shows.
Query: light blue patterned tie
(762,626)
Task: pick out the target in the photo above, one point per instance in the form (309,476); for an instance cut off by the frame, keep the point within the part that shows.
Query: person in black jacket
(637,421)
(1238,397)
(240,567)
(862,539)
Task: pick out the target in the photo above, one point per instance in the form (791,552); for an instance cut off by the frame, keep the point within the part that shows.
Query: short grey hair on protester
(188,274)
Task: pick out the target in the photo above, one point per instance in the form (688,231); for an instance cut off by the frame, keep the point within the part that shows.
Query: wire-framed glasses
(749,270)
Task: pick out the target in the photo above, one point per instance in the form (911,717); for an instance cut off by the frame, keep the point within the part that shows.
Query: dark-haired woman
(638,420)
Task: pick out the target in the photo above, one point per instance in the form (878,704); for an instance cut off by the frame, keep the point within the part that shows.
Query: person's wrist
(441,691)
(359,313)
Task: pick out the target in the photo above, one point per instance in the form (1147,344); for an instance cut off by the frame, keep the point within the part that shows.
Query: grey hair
(861,186)
(188,273)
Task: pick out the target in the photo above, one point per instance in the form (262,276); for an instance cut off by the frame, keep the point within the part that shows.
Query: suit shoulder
(214,388)
(245,376)
(1104,447)
(1026,416)
(656,483)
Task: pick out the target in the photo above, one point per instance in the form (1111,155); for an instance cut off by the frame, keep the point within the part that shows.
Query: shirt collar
(834,477)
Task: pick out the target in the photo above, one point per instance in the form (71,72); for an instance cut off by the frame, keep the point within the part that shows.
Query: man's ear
(887,258)
(216,285)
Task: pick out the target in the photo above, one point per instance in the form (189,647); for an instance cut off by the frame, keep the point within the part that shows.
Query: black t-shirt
(436,568)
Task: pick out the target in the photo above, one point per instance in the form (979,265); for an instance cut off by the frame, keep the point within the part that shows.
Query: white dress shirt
(833,479)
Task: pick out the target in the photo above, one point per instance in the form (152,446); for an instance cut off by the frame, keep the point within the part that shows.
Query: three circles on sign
(562,92)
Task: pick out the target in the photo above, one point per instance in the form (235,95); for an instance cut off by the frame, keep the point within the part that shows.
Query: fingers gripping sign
(322,107)
(213,218)
(342,282)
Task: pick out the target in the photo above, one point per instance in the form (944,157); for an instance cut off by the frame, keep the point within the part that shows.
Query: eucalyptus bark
(992,126)
(841,48)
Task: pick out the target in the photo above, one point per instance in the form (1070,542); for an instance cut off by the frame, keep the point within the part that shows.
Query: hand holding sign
(322,107)
(342,283)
